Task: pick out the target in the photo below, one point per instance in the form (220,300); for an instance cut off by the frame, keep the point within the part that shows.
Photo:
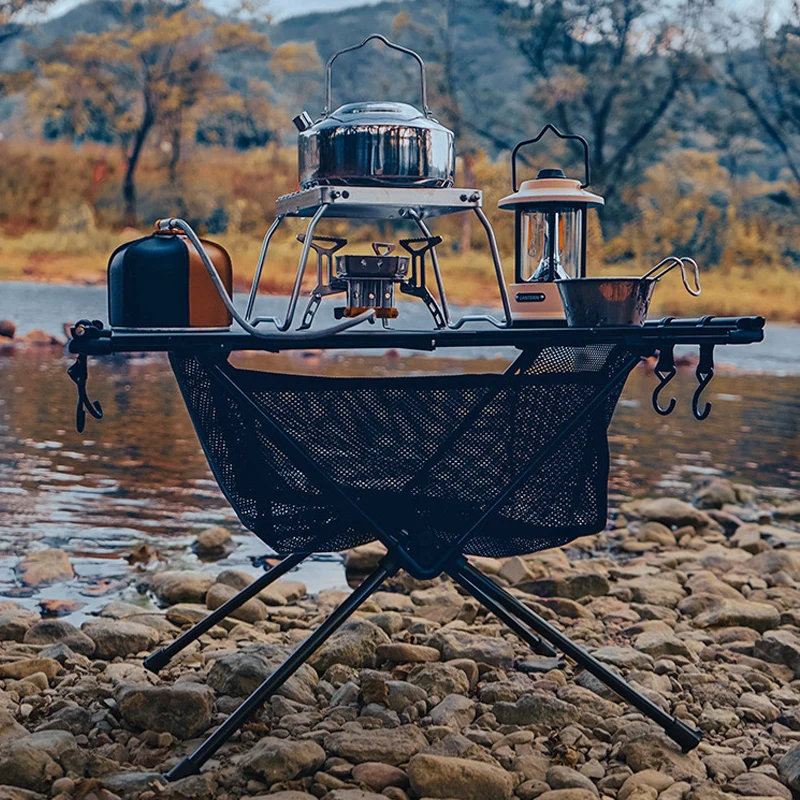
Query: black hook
(704,373)
(665,371)
(79,373)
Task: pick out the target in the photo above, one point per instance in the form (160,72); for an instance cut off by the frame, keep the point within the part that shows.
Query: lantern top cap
(551,187)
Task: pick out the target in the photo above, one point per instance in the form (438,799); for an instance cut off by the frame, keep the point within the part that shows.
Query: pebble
(405,653)
(275,760)
(113,638)
(213,543)
(458,778)
(184,709)
(355,644)
(53,631)
(391,746)
(181,587)
(45,566)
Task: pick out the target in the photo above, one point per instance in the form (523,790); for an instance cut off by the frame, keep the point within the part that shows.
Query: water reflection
(140,478)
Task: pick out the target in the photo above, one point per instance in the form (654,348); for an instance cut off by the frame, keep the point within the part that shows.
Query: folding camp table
(437,468)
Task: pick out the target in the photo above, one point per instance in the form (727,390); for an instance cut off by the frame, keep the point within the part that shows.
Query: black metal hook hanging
(704,373)
(665,371)
(79,373)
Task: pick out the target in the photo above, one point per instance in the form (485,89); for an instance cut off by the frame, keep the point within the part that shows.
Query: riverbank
(424,695)
(51,257)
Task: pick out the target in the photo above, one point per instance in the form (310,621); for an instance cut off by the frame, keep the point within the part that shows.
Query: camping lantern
(550,221)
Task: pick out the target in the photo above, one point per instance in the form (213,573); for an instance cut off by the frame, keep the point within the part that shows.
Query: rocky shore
(424,694)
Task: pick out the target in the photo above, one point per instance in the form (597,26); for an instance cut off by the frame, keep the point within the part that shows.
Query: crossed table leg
(507,608)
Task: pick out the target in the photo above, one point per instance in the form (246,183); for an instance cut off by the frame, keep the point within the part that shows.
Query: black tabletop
(91,340)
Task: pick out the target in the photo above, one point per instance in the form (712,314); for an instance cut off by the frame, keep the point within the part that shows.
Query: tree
(609,69)
(13,14)
(150,71)
(767,79)
(13,17)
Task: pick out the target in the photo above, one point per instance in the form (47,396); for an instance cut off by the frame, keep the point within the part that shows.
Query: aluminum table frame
(214,348)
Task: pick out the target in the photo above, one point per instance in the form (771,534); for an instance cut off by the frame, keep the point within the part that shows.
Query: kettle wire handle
(557,132)
(381,38)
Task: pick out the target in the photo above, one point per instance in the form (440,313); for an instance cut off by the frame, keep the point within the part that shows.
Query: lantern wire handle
(550,127)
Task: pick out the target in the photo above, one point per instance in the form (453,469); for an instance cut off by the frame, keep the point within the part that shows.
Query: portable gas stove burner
(369,280)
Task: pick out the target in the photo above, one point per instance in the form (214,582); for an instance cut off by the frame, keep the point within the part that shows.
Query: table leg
(191,764)
(158,660)
(483,587)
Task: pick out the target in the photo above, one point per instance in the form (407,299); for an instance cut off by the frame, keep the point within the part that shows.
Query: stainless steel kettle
(375,143)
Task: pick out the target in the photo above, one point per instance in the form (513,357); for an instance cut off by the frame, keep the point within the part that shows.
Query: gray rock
(455,711)
(789,510)
(391,746)
(566,778)
(402,694)
(354,644)
(657,644)
(365,557)
(772,561)
(670,511)
(455,745)
(734,613)
(348,794)
(213,543)
(539,664)
(276,760)
(789,768)
(780,647)
(626,657)
(379,776)
(458,778)
(9,727)
(655,751)
(715,494)
(127,783)
(656,591)
(571,587)
(532,767)
(31,762)
(405,653)
(755,784)
(253,610)
(181,587)
(114,637)
(723,766)
(52,631)
(541,710)
(646,777)
(439,680)
(184,709)
(490,650)
(568,794)
(15,622)
(46,566)
(240,673)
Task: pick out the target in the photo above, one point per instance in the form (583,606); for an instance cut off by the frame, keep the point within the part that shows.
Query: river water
(140,477)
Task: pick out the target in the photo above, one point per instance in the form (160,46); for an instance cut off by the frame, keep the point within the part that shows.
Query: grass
(81,258)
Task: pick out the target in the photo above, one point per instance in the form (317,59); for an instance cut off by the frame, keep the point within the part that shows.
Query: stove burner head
(369,280)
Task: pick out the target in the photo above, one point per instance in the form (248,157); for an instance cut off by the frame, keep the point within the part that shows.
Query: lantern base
(535,300)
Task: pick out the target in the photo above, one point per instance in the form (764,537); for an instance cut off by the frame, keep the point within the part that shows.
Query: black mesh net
(425,457)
